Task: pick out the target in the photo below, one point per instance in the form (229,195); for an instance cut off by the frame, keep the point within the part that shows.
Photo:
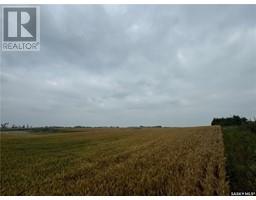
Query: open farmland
(114,161)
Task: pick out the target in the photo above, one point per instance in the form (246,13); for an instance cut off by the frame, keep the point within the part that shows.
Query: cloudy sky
(134,65)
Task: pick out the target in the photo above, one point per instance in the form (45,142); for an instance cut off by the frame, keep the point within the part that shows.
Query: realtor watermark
(20,28)
(242,193)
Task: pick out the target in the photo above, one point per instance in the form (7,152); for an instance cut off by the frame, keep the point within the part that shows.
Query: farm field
(114,161)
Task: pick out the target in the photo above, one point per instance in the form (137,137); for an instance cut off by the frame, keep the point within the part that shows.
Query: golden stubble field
(114,161)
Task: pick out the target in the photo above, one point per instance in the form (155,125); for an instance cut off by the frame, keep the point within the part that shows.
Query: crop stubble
(115,161)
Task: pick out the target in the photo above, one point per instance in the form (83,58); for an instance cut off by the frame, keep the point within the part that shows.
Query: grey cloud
(172,65)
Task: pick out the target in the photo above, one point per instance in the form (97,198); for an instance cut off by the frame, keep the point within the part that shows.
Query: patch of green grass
(240,150)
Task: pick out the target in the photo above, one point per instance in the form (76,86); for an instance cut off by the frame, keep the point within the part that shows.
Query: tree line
(230,121)
(235,120)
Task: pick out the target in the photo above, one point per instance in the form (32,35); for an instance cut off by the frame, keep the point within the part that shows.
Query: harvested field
(114,161)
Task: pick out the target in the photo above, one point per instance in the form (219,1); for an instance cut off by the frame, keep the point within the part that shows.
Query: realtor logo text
(21,28)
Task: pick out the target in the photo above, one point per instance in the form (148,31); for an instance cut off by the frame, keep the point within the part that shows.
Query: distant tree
(244,120)
(4,125)
(252,125)
(236,120)
(230,121)
(214,121)
(14,126)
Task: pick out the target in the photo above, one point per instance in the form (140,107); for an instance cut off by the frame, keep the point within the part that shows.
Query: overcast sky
(134,65)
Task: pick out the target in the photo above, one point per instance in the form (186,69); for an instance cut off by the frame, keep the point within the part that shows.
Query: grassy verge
(240,150)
